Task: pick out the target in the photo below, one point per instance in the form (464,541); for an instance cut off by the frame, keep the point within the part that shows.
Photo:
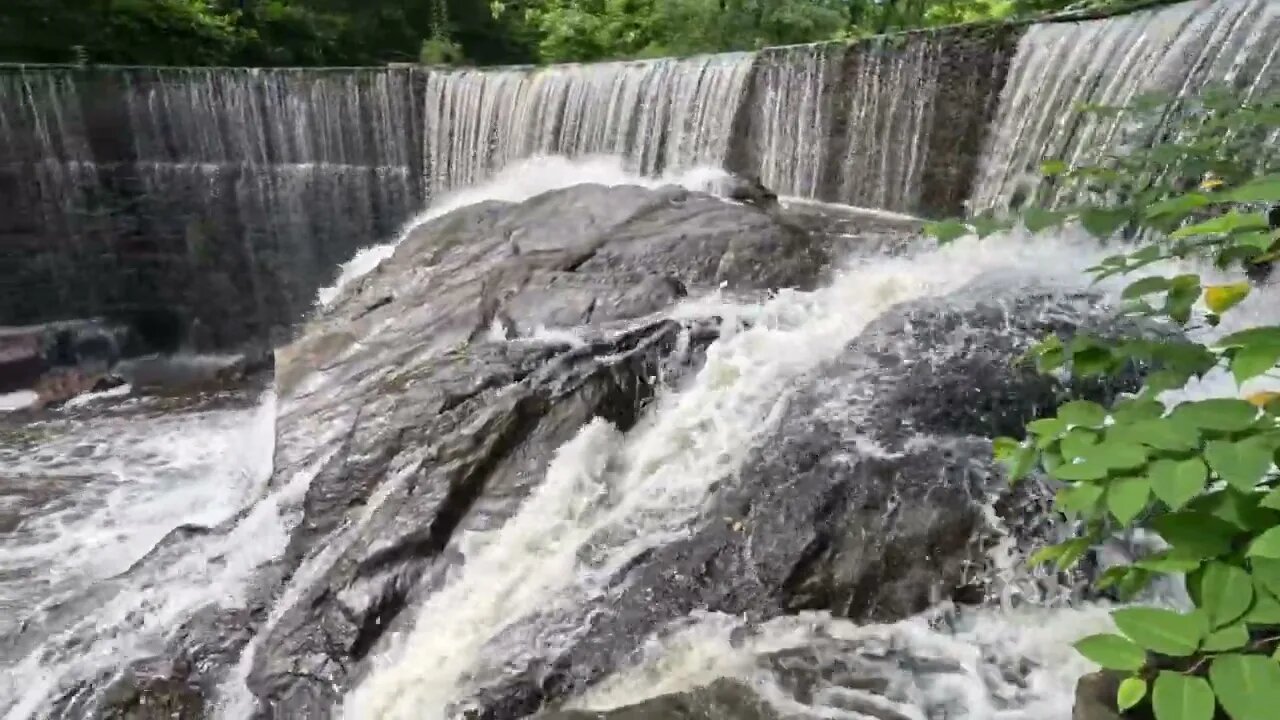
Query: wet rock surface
(869,499)
(721,700)
(448,377)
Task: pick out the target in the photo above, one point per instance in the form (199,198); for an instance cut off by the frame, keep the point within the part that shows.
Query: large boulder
(59,360)
(427,402)
(872,497)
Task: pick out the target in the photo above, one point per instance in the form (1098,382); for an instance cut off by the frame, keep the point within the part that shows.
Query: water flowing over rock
(1177,50)
(448,433)
(662,115)
(583,443)
(227,196)
(222,196)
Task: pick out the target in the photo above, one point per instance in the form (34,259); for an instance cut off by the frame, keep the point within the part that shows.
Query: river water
(87,491)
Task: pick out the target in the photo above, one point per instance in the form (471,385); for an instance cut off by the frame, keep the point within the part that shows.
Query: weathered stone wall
(220,198)
(898,121)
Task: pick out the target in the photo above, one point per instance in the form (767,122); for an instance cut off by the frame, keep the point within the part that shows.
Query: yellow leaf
(1221,298)
(1211,182)
(1263,397)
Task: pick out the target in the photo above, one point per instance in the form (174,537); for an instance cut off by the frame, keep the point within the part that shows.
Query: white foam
(641,490)
(17,400)
(126,483)
(520,181)
(976,645)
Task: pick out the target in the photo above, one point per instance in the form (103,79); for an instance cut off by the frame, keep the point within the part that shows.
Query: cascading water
(84,498)
(271,177)
(1177,50)
(285,154)
(609,498)
(890,109)
(795,95)
(663,115)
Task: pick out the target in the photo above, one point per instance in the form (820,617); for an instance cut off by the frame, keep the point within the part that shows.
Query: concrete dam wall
(221,199)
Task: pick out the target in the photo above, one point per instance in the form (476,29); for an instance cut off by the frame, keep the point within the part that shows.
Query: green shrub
(1198,182)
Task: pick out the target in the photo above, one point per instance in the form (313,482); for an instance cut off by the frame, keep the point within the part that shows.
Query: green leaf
(1266,607)
(1242,464)
(1127,497)
(1182,697)
(1083,413)
(947,230)
(1088,359)
(1163,434)
(1230,637)
(1272,500)
(1132,691)
(1077,442)
(1263,189)
(1169,561)
(1103,223)
(1145,286)
(1047,429)
(1052,168)
(1259,242)
(1177,206)
(1226,593)
(1266,545)
(1266,572)
(1184,290)
(1252,336)
(1177,482)
(1116,455)
(1113,652)
(1072,551)
(1248,686)
(1238,508)
(1080,471)
(1037,219)
(1196,534)
(1135,410)
(1221,414)
(1014,456)
(1253,360)
(985,226)
(1223,224)
(1163,631)
(1080,498)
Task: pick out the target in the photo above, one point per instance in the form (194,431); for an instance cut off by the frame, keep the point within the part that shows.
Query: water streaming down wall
(223,195)
(230,195)
(1179,50)
(661,115)
(893,123)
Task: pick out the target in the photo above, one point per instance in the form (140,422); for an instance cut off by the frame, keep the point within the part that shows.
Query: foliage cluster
(1196,182)
(483,32)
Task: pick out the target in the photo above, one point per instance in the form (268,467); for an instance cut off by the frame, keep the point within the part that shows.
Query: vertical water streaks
(661,115)
(1179,49)
(226,194)
(892,88)
(794,92)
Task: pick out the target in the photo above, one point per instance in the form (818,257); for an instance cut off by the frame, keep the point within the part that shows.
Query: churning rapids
(575,447)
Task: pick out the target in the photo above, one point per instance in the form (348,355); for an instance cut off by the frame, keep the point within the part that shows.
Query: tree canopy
(475,32)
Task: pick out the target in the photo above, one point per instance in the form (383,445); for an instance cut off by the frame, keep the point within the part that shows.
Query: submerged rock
(721,700)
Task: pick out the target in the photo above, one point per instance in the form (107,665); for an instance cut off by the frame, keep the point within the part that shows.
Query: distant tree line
(478,32)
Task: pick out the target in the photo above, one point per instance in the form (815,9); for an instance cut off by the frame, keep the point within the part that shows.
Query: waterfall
(1179,49)
(890,106)
(795,98)
(231,193)
(662,115)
